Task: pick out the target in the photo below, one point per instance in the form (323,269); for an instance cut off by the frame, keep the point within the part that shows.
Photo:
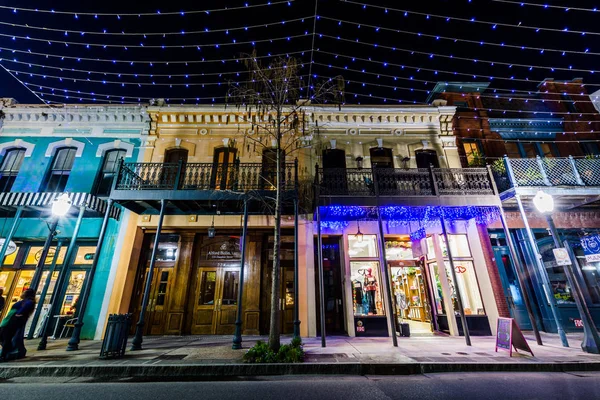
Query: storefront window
(366,288)
(10,259)
(23,282)
(437,290)
(85,255)
(459,246)
(362,246)
(398,249)
(50,286)
(76,280)
(35,252)
(591,275)
(467,285)
(556,274)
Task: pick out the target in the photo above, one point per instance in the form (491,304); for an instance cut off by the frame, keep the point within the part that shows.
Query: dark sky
(385,55)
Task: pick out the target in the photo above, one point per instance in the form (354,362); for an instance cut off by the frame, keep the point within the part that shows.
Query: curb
(171,372)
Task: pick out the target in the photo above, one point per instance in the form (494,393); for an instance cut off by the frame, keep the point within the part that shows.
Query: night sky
(392,55)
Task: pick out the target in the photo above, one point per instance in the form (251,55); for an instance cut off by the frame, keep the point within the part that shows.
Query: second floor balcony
(575,180)
(196,188)
(406,186)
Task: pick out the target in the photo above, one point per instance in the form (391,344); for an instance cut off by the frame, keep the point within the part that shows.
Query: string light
(454,39)
(157,62)
(144,34)
(153,14)
(546,5)
(471,20)
(156,46)
(475,60)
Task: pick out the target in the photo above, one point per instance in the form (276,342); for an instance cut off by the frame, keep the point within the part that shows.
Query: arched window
(60,169)
(108,171)
(223,168)
(11,164)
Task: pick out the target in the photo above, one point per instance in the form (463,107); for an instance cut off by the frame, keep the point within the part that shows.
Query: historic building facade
(551,144)
(202,166)
(46,151)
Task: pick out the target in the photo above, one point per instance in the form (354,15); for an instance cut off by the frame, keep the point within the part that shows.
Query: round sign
(12,247)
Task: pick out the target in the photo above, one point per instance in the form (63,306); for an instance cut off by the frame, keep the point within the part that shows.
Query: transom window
(9,169)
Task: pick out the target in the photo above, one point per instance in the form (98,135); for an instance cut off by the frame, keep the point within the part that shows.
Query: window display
(398,249)
(366,288)
(467,285)
(362,246)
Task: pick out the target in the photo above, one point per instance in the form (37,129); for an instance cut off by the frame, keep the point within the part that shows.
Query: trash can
(403,328)
(115,336)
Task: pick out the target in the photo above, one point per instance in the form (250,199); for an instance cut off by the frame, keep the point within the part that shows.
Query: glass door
(512,290)
(157,305)
(215,308)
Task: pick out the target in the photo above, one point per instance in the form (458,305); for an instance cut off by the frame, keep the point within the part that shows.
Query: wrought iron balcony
(236,177)
(535,173)
(403,183)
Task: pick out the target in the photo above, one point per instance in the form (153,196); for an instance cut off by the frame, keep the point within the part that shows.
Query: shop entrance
(332,278)
(216,301)
(411,293)
(156,312)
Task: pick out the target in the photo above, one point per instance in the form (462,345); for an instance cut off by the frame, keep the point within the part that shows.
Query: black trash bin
(403,328)
(115,336)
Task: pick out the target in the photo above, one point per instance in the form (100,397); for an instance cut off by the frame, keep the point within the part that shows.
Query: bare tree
(274,99)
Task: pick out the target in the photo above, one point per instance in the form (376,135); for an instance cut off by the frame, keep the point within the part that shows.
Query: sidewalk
(193,357)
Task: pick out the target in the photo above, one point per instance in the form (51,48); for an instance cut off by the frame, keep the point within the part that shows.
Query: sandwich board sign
(508,335)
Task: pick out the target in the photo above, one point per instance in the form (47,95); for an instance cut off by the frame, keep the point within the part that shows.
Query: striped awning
(45,199)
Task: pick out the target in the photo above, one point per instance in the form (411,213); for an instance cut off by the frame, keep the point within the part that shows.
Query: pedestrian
(2,300)
(12,328)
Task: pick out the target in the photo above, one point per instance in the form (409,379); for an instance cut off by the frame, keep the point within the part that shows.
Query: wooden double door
(156,311)
(215,301)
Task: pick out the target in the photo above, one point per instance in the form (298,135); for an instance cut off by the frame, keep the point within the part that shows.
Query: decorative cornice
(75,120)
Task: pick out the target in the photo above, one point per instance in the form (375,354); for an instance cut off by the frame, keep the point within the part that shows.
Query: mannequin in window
(370,289)
(358,296)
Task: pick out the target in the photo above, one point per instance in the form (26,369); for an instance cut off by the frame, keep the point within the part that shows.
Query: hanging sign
(12,247)
(561,255)
(591,247)
(508,335)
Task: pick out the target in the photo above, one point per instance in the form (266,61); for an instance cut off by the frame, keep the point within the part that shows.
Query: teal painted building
(46,151)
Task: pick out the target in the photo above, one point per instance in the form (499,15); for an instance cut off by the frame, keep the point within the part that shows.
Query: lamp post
(541,268)
(60,207)
(591,341)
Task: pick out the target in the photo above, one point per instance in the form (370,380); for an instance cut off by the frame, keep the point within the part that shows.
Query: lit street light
(545,204)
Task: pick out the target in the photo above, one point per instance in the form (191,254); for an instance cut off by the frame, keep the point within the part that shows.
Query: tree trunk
(274,333)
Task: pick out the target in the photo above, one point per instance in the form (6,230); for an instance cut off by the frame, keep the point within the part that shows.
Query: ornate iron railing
(539,171)
(404,182)
(204,176)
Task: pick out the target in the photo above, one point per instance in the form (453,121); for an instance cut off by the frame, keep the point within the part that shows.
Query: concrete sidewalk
(193,357)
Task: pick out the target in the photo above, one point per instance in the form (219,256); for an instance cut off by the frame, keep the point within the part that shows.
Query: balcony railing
(404,182)
(528,172)
(239,177)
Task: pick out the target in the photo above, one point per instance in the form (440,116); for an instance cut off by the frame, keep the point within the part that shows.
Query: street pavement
(514,386)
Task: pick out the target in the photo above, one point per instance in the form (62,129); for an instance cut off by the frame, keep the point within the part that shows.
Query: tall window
(60,169)
(11,163)
(108,171)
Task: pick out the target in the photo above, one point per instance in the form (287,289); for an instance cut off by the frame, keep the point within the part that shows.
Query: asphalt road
(467,386)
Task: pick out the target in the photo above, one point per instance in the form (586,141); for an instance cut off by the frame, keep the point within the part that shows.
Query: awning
(40,200)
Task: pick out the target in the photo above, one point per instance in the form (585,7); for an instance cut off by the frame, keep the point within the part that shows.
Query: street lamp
(544,202)
(60,207)
(591,341)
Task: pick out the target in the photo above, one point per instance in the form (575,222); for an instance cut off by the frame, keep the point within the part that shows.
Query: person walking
(12,328)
